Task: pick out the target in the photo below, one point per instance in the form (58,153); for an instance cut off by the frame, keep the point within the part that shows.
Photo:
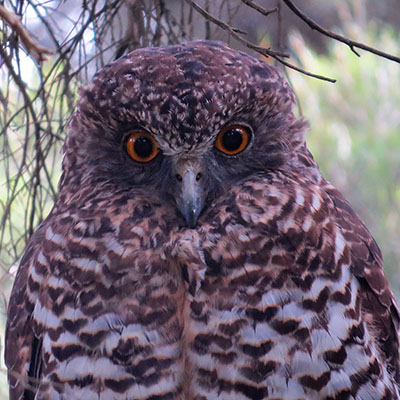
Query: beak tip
(191,217)
(192,225)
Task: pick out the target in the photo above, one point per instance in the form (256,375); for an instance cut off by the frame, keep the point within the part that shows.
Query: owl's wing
(376,297)
(22,347)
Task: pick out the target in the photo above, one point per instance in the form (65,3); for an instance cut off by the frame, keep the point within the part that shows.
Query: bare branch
(351,43)
(258,8)
(303,71)
(266,52)
(37,51)
(234,32)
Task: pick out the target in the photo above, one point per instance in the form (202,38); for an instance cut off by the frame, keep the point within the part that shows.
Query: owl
(195,251)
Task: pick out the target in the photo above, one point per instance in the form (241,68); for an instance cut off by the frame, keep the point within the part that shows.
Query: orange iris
(141,147)
(233,139)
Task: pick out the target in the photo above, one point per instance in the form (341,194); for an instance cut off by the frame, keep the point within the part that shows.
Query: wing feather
(378,302)
(22,347)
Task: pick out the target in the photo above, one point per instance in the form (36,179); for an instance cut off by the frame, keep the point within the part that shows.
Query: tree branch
(234,32)
(31,46)
(258,8)
(277,55)
(303,71)
(351,43)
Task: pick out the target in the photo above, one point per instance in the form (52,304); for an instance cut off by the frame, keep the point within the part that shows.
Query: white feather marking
(90,243)
(138,230)
(303,363)
(307,223)
(165,384)
(45,316)
(292,310)
(277,297)
(299,197)
(41,258)
(371,391)
(116,247)
(261,333)
(316,288)
(73,313)
(67,338)
(339,245)
(338,382)
(323,341)
(356,359)
(86,264)
(56,282)
(286,224)
(339,325)
(55,237)
(35,276)
(280,349)
(83,393)
(316,202)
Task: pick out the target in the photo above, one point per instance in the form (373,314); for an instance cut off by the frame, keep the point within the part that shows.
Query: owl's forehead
(183,93)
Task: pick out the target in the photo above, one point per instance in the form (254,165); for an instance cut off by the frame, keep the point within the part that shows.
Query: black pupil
(143,147)
(232,139)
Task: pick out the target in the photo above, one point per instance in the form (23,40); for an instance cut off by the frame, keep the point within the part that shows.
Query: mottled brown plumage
(253,280)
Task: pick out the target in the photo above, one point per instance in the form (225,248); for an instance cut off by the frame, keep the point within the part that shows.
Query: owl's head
(184,122)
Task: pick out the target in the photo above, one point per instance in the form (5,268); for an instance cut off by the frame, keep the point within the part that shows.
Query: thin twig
(266,52)
(279,20)
(351,43)
(37,51)
(208,28)
(303,71)
(258,8)
(233,31)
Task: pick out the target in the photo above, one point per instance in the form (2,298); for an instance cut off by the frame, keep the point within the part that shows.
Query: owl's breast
(258,302)
(107,307)
(272,307)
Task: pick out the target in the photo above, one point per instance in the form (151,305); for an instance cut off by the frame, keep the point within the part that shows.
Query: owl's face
(184,123)
(189,178)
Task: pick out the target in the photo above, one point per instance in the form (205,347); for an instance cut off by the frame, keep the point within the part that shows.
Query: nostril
(178,178)
(198,176)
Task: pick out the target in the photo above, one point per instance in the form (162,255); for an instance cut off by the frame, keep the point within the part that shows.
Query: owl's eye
(141,147)
(233,139)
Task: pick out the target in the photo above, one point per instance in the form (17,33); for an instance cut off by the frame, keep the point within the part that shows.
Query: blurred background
(355,122)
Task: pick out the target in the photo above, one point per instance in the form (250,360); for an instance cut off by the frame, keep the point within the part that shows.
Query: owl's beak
(190,194)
